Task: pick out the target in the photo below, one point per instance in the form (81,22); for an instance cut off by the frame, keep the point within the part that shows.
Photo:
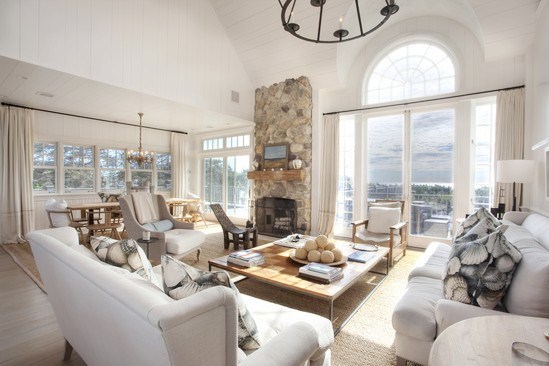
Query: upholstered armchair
(143,211)
(384,226)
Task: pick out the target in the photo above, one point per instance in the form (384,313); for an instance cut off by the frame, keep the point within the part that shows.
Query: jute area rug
(366,339)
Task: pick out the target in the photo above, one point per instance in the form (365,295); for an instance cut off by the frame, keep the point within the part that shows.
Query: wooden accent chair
(239,236)
(384,226)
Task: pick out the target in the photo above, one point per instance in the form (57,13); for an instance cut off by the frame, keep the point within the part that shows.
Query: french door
(410,156)
(226,183)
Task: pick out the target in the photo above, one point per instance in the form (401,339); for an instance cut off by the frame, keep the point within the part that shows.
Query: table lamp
(515,171)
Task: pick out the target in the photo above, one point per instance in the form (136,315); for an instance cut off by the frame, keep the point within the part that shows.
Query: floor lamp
(515,171)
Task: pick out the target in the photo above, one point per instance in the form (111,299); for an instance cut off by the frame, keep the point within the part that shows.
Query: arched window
(415,70)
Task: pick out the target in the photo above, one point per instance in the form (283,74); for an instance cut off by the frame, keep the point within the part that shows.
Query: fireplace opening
(276,216)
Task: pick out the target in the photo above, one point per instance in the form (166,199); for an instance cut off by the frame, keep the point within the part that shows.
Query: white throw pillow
(382,218)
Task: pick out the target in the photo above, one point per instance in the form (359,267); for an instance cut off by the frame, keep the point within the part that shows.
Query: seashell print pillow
(480,271)
(483,228)
(472,220)
(182,280)
(126,254)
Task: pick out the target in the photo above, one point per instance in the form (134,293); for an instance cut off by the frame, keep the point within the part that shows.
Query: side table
(143,241)
(487,340)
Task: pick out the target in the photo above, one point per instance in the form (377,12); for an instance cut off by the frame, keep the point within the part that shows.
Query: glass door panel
(213,181)
(346,176)
(237,185)
(432,172)
(385,157)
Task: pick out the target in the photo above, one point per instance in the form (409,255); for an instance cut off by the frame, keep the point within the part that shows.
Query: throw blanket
(144,207)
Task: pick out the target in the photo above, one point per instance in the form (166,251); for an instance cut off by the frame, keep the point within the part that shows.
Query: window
(237,185)
(432,173)
(237,141)
(212,144)
(385,157)
(141,176)
(416,70)
(225,180)
(163,172)
(79,170)
(484,114)
(44,174)
(78,162)
(213,181)
(225,164)
(346,180)
(112,169)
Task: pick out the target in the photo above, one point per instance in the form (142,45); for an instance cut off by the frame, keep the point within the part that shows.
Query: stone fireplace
(283,114)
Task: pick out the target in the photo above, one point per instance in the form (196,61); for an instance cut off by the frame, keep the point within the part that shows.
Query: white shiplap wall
(59,128)
(174,49)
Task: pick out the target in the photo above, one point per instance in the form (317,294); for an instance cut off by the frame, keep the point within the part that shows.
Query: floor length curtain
(16,162)
(329,158)
(179,164)
(509,139)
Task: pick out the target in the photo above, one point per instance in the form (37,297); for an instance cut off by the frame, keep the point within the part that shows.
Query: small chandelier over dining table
(140,157)
(341,34)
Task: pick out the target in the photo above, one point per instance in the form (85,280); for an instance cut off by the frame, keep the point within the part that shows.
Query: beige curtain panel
(16,162)
(179,164)
(329,167)
(509,139)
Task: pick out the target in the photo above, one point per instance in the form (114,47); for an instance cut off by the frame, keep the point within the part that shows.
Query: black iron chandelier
(341,34)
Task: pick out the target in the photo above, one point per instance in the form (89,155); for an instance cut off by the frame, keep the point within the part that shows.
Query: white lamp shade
(511,171)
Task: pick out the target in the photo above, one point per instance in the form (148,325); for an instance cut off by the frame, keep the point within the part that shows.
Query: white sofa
(113,317)
(422,312)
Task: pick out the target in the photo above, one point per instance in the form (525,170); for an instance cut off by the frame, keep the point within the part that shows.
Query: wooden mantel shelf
(297,174)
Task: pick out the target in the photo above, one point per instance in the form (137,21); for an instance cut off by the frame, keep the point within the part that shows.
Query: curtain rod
(92,118)
(423,101)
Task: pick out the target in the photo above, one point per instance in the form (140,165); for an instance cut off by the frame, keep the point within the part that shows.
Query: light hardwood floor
(29,333)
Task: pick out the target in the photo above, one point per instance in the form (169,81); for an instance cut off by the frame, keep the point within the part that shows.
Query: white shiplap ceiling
(505,28)
(21,84)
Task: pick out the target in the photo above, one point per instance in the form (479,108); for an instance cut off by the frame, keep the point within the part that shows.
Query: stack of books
(246,258)
(321,272)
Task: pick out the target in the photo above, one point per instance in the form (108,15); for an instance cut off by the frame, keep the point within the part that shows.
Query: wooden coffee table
(281,271)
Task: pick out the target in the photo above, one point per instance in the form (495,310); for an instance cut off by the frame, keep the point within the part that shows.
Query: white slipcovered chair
(384,226)
(143,211)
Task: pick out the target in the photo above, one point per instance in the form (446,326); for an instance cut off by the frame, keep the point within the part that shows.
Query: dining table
(94,213)
(90,210)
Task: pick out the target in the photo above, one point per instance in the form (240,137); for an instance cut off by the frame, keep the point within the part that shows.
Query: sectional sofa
(422,312)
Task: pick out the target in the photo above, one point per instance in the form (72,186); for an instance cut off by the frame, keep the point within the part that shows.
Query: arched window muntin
(410,70)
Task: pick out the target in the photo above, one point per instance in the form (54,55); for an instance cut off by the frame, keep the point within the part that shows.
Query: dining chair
(244,236)
(105,225)
(384,226)
(61,218)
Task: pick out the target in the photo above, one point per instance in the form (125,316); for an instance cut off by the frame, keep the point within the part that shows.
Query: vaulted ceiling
(504,28)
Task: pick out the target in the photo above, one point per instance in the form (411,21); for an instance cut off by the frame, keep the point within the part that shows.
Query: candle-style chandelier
(341,34)
(140,157)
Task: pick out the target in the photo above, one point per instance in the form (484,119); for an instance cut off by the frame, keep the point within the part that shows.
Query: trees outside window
(79,165)
(44,177)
